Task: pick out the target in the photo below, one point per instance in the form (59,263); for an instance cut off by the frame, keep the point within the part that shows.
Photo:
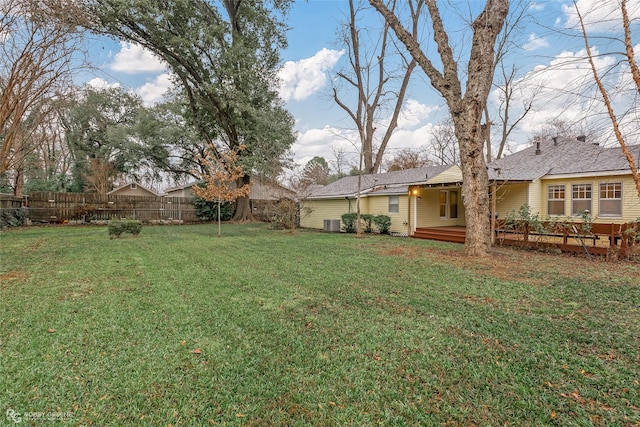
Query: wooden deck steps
(443,234)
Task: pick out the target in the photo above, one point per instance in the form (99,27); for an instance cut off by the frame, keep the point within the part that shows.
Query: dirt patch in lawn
(540,268)
(11,278)
(527,265)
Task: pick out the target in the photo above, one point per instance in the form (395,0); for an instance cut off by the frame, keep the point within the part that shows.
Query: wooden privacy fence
(61,207)
(9,201)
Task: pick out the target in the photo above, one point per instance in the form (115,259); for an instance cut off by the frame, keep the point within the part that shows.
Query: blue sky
(549,57)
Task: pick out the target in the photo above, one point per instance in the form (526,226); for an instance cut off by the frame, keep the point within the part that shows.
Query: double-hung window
(610,199)
(581,198)
(394,204)
(555,200)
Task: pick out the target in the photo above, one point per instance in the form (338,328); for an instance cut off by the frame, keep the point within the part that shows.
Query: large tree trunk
(466,108)
(243,204)
(475,196)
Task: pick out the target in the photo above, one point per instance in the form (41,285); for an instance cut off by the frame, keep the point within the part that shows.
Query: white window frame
(447,204)
(134,186)
(614,190)
(581,188)
(394,204)
(552,191)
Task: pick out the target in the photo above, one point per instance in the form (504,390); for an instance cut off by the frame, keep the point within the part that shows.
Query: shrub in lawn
(208,211)
(383,223)
(283,215)
(349,221)
(117,227)
(133,227)
(12,217)
(367,219)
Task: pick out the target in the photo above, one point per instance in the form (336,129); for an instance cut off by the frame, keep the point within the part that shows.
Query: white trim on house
(588,174)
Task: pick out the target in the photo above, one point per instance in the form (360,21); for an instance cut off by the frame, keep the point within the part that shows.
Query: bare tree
(340,161)
(635,73)
(379,88)
(507,85)
(558,127)
(507,125)
(408,159)
(368,74)
(443,147)
(466,107)
(35,66)
(99,176)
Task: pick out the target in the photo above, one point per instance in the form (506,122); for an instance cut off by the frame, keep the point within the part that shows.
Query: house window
(453,204)
(394,204)
(555,200)
(611,199)
(581,195)
(448,204)
(134,186)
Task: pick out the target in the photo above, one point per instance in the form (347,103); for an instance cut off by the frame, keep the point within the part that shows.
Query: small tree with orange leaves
(222,172)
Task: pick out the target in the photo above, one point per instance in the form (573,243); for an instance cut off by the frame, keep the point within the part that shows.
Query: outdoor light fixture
(415,192)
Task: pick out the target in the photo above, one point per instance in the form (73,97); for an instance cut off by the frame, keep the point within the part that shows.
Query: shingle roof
(396,182)
(155,193)
(564,157)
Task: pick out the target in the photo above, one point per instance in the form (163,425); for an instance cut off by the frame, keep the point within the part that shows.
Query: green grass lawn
(261,327)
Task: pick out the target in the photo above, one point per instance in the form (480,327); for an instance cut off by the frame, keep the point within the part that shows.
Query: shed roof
(565,156)
(115,190)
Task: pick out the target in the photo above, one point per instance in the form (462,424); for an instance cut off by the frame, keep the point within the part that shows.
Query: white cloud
(413,133)
(410,138)
(301,79)
(564,89)
(134,59)
(152,92)
(100,83)
(414,113)
(536,7)
(598,15)
(535,43)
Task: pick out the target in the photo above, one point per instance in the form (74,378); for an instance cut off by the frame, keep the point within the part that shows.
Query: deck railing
(595,238)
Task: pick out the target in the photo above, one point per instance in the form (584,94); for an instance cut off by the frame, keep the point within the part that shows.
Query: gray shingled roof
(564,157)
(396,182)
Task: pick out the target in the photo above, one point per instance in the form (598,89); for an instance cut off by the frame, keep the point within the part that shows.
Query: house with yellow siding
(557,179)
(562,178)
(383,194)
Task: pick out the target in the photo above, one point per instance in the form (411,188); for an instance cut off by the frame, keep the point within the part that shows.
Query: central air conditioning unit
(331,225)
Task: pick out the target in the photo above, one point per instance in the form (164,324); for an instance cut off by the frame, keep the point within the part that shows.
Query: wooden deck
(443,234)
(601,241)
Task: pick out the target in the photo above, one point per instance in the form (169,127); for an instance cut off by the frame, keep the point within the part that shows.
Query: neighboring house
(389,194)
(558,178)
(561,178)
(133,189)
(262,194)
(260,190)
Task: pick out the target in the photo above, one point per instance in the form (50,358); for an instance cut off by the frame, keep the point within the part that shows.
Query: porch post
(415,212)
(493,213)
(409,213)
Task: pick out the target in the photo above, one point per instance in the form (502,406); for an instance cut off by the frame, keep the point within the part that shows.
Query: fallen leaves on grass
(196,351)
(51,330)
